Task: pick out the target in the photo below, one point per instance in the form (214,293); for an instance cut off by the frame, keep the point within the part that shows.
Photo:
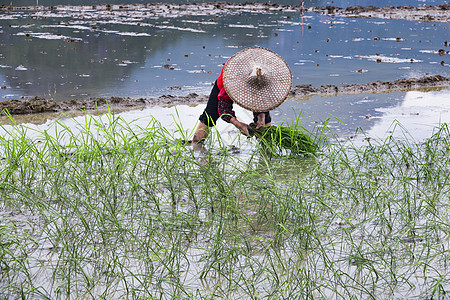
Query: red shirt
(225,104)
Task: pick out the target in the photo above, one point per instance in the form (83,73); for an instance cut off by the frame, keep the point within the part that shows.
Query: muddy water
(413,114)
(67,54)
(376,115)
(78,53)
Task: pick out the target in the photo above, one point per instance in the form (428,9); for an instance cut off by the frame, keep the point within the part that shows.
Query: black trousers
(210,115)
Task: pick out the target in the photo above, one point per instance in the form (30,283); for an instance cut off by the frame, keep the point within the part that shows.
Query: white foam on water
(388,59)
(67,26)
(133,34)
(242,26)
(429,51)
(47,36)
(200,22)
(394,39)
(8,17)
(21,68)
(180,28)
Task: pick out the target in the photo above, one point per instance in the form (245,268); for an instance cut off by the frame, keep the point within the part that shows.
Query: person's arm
(240,125)
(225,108)
(227,114)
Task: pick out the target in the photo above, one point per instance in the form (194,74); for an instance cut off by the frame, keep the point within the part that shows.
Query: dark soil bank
(438,13)
(373,87)
(40,105)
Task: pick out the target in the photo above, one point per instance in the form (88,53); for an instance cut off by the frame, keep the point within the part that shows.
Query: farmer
(256,79)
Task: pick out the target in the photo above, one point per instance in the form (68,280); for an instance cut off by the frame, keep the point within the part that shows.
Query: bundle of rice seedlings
(278,139)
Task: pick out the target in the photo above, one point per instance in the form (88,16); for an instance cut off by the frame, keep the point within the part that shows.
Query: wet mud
(437,13)
(165,9)
(40,105)
(427,82)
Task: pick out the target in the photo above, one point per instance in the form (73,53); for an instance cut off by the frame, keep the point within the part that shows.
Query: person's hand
(241,126)
(261,120)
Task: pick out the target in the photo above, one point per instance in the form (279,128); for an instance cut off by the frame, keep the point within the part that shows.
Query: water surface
(64,54)
(413,115)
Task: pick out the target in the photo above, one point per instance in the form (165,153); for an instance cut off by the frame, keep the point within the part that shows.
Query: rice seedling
(284,139)
(108,209)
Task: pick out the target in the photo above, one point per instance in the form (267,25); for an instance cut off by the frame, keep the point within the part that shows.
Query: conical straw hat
(257,79)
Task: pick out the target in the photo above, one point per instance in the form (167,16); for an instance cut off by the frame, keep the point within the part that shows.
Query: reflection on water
(68,54)
(418,112)
(373,114)
(350,116)
(376,115)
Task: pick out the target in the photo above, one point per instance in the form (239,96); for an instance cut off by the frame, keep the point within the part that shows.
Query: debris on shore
(438,13)
(427,13)
(436,81)
(41,105)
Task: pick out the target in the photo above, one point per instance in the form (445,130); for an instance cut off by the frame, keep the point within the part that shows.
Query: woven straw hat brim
(257,79)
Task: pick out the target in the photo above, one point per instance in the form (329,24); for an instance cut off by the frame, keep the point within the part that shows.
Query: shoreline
(38,105)
(437,13)
(404,84)
(426,13)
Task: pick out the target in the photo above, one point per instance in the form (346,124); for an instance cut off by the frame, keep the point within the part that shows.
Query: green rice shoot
(288,140)
(111,210)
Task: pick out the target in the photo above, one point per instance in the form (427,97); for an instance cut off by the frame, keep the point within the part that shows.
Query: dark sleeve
(225,109)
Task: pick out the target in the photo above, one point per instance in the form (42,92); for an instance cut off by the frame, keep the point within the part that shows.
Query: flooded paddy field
(111,203)
(137,51)
(346,115)
(117,206)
